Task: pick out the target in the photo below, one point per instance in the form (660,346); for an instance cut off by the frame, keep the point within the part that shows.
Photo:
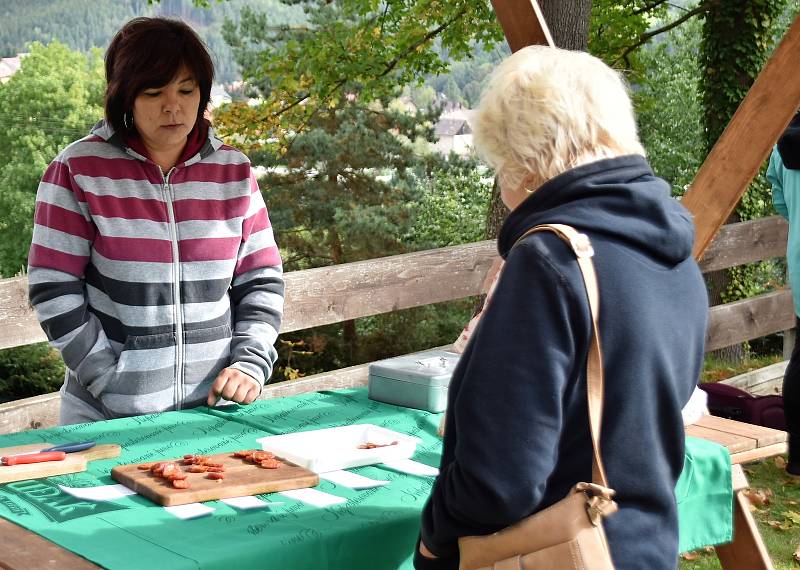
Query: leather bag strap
(583,250)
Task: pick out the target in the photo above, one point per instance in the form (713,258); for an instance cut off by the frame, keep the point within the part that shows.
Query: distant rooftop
(9,66)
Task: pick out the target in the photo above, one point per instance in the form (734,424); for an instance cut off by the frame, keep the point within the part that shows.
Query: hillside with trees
(86,24)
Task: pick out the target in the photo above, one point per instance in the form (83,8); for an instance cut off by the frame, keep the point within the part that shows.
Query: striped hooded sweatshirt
(150,283)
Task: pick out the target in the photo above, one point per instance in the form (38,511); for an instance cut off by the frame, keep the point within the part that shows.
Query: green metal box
(416,381)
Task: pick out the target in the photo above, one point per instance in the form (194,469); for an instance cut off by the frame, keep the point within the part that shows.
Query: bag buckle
(582,246)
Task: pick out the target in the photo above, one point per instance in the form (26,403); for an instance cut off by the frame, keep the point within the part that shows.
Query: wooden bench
(745,442)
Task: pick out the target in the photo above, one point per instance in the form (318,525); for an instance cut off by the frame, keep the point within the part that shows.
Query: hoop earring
(125,120)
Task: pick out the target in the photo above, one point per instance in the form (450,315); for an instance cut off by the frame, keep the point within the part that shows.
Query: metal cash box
(416,380)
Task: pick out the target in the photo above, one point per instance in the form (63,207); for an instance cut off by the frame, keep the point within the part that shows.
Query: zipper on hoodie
(176,290)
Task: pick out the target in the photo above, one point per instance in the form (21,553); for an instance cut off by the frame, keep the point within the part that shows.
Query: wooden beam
(339,293)
(523,23)
(746,242)
(751,318)
(746,142)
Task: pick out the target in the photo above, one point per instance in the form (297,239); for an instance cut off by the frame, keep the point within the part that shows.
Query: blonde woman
(559,130)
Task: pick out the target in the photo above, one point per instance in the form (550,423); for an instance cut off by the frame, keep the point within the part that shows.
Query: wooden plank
(747,319)
(241,479)
(759,453)
(764,436)
(746,242)
(25,550)
(523,23)
(762,382)
(746,142)
(350,377)
(20,326)
(747,550)
(30,413)
(339,293)
(734,443)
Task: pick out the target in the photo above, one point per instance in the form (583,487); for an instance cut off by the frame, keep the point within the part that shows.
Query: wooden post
(789,337)
(523,23)
(746,142)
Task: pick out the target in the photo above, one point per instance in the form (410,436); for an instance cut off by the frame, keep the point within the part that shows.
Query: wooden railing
(333,294)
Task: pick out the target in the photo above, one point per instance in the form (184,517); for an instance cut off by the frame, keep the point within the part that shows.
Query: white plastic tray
(337,448)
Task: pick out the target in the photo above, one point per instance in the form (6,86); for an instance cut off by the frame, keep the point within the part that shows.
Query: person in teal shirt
(784,175)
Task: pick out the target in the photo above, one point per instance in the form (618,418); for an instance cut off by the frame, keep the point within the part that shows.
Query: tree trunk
(734,47)
(569,26)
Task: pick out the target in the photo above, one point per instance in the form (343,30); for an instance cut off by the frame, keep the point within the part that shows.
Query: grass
(775,495)
(778,519)
(715,370)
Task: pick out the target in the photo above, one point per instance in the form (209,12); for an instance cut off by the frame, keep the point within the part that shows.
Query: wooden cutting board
(73,463)
(241,479)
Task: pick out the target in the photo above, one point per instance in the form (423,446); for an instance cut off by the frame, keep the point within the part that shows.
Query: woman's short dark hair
(147,53)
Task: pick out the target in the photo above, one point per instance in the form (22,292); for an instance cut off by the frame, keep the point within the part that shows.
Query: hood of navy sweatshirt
(620,198)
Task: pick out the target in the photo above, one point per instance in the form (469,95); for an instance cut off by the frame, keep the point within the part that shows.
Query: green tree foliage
(452,207)
(29,371)
(327,199)
(668,107)
(367,47)
(617,25)
(51,101)
(736,42)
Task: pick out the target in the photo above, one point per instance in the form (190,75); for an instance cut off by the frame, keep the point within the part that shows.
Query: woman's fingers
(234,386)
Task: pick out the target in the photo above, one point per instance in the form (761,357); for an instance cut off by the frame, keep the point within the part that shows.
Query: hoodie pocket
(146,364)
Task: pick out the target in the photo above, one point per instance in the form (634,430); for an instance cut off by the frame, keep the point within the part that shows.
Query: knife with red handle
(33,458)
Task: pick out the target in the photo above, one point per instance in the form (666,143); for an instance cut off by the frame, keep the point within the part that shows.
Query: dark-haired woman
(153,268)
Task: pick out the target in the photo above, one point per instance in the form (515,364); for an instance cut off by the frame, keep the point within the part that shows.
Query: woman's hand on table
(235,386)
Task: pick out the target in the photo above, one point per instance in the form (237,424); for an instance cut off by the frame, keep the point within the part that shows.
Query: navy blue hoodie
(517,433)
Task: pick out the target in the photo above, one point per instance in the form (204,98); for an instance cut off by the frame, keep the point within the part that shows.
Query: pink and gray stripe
(150,284)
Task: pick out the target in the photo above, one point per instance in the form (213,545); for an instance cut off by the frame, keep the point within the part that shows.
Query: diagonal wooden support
(523,23)
(746,142)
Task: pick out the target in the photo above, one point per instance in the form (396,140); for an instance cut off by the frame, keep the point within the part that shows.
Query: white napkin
(412,467)
(314,497)
(189,511)
(100,493)
(248,502)
(351,480)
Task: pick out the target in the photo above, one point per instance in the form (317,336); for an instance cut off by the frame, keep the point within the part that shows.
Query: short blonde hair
(546,110)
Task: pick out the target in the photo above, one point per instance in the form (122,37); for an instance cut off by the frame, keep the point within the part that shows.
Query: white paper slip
(189,510)
(314,497)
(412,467)
(101,493)
(352,480)
(249,502)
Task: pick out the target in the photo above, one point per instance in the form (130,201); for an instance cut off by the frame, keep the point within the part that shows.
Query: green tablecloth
(375,528)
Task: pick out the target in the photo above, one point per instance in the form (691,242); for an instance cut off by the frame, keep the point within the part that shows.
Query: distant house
(454,133)
(218,96)
(9,66)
